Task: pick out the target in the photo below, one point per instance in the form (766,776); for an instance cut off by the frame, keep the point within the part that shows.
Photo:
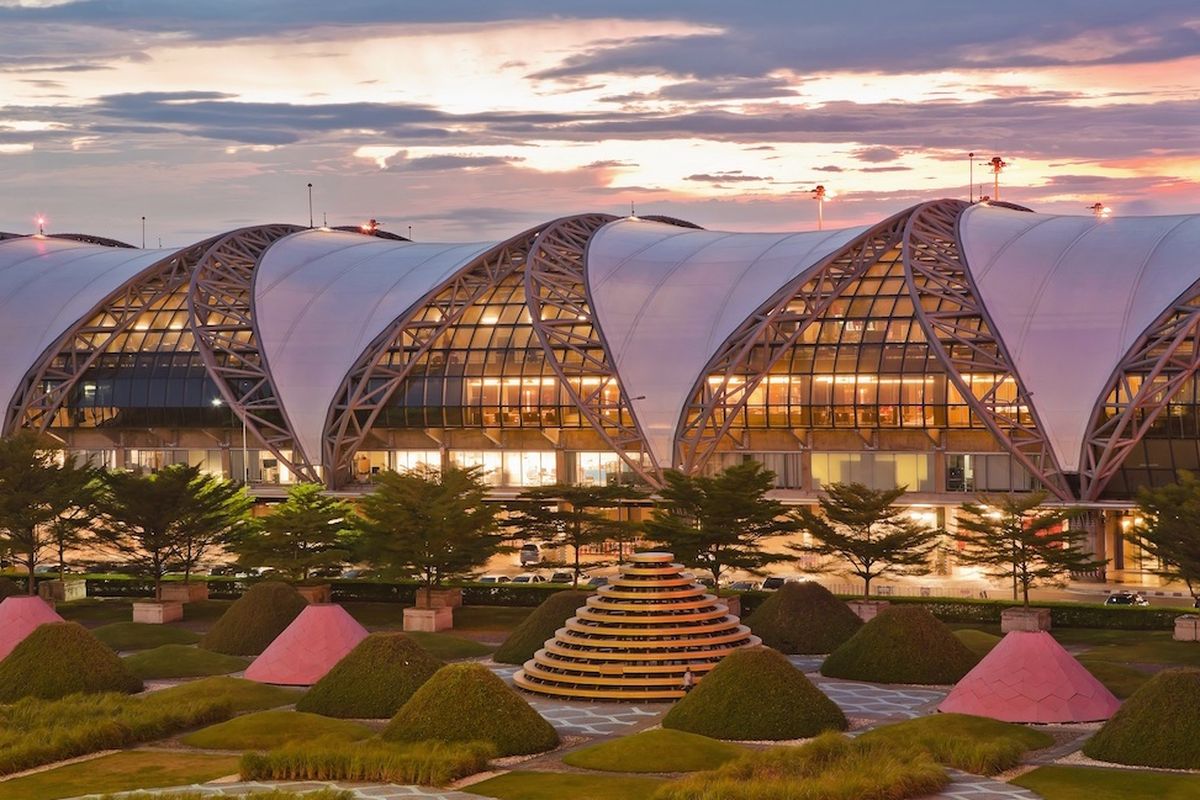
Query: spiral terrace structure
(636,637)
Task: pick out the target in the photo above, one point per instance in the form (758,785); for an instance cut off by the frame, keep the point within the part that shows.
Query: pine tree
(1169,529)
(307,531)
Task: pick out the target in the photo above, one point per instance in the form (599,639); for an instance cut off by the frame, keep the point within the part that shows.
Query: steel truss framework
(561,310)
(959,331)
(1164,358)
(48,385)
(371,382)
(221,307)
(777,324)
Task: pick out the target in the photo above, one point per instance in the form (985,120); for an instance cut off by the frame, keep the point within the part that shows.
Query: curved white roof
(666,298)
(1070,295)
(320,297)
(46,286)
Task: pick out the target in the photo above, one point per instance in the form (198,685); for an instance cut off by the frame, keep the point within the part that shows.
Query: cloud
(829,168)
(876,154)
(896,168)
(732,176)
(451,162)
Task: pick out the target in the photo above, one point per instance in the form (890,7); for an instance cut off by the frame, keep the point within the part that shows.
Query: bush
(141,635)
(1063,615)
(254,620)
(182,661)
(1158,726)
(62,658)
(374,679)
(529,637)
(264,730)
(803,618)
(973,744)
(426,763)
(8,587)
(467,703)
(657,750)
(904,644)
(755,694)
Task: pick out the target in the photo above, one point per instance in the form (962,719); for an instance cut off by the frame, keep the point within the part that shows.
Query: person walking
(689,680)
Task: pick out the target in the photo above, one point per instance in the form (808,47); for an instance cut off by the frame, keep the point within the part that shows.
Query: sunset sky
(471,119)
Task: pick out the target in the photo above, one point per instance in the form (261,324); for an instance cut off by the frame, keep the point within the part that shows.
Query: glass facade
(987,472)
(875,470)
(511,468)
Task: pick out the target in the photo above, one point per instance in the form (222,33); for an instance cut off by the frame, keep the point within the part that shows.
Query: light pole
(310,214)
(41,221)
(997,164)
(216,401)
(821,194)
(143,231)
(971,179)
(1099,210)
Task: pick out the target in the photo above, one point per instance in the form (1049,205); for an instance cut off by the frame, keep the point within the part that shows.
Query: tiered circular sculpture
(637,637)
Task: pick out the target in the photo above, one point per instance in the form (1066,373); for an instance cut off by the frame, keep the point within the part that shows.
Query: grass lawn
(1131,647)
(120,772)
(205,610)
(94,611)
(1120,679)
(660,750)
(267,729)
(182,661)
(972,744)
(242,695)
(558,785)
(500,619)
(978,642)
(1089,783)
(141,635)
(449,648)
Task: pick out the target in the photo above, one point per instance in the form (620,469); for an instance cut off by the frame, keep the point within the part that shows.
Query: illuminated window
(875,470)
(510,468)
(986,472)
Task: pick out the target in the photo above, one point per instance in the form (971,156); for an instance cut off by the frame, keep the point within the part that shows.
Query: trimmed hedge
(1158,726)
(62,658)
(904,644)
(1063,615)
(373,681)
(468,703)
(803,618)
(531,635)
(254,620)
(8,587)
(755,694)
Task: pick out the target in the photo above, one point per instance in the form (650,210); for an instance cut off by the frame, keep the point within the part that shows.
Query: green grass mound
(373,681)
(755,694)
(142,635)
(529,637)
(803,618)
(8,587)
(973,744)
(658,750)
(978,642)
(238,694)
(447,647)
(264,730)
(1159,726)
(1092,783)
(904,644)
(468,703)
(62,658)
(254,620)
(182,661)
(830,767)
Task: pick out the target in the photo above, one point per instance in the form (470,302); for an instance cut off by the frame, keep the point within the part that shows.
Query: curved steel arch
(948,308)
(221,308)
(779,322)
(48,384)
(88,238)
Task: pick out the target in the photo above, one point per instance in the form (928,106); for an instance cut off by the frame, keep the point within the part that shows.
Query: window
(786,466)
(602,469)
(404,460)
(876,470)
(510,468)
(986,472)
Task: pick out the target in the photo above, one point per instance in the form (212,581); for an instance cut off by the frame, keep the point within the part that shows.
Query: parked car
(773,583)
(704,581)
(1126,599)
(562,576)
(596,581)
(743,586)
(495,579)
(529,578)
(530,554)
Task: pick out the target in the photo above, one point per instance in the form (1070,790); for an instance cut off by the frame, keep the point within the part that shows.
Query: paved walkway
(881,702)
(374,791)
(974,787)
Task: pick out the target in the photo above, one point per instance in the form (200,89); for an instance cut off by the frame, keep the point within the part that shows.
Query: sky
(471,120)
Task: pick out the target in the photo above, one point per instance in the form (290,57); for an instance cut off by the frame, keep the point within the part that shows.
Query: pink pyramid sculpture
(308,648)
(1030,678)
(19,615)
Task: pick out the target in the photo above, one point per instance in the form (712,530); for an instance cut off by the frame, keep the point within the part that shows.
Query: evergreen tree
(1169,529)
(215,512)
(306,532)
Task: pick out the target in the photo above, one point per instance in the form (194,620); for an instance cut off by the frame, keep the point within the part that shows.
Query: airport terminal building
(955,348)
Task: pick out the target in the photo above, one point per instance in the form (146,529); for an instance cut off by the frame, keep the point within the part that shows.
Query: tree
(214,512)
(866,529)
(1169,529)
(71,526)
(721,522)
(573,516)
(1011,538)
(433,522)
(307,531)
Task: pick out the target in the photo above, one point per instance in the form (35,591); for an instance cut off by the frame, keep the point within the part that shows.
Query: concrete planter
(733,603)
(157,612)
(57,591)
(867,610)
(184,592)
(1187,628)
(316,592)
(430,620)
(1029,620)
(439,598)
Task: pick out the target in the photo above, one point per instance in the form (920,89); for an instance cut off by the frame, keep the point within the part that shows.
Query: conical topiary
(62,658)
(1158,726)
(531,635)
(904,644)
(254,619)
(755,694)
(373,681)
(468,703)
(803,618)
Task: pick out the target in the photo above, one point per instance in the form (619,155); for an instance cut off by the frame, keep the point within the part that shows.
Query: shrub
(62,658)
(1158,726)
(182,661)
(254,620)
(141,635)
(466,703)
(755,694)
(904,644)
(8,587)
(973,744)
(657,750)
(426,763)
(374,679)
(241,695)
(803,618)
(830,767)
(264,730)
(529,637)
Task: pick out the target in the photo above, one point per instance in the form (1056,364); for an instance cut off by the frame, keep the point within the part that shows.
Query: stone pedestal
(156,613)
(439,598)
(57,591)
(867,610)
(316,592)
(184,592)
(430,620)
(1030,620)
(1187,628)
(733,603)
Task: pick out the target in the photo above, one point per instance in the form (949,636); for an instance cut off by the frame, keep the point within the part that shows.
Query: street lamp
(821,194)
(310,214)
(998,165)
(216,401)
(1099,210)
(41,221)
(143,231)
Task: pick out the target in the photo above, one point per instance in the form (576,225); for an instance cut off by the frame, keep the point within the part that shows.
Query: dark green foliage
(1171,517)
(307,531)
(62,658)
(254,619)
(142,635)
(803,618)
(755,694)
(425,763)
(1159,726)
(529,637)
(977,745)
(8,587)
(468,703)
(904,644)
(373,681)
